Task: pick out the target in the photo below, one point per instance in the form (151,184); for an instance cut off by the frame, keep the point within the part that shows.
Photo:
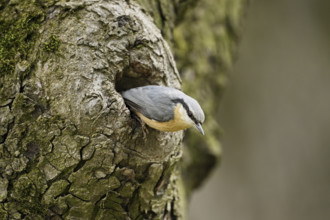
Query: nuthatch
(164,108)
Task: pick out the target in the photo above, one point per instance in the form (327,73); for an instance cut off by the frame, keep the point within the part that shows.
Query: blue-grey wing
(154,102)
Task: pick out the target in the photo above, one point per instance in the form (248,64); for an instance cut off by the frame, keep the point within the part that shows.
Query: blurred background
(276,119)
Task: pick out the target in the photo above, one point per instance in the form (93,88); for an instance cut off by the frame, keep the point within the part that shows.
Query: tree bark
(69,148)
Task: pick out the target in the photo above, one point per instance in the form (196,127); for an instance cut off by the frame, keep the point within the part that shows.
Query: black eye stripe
(181,101)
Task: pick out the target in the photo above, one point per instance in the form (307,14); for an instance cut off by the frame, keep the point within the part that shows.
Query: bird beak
(199,128)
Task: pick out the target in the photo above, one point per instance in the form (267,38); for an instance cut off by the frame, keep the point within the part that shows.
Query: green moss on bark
(52,45)
(16,39)
(205,47)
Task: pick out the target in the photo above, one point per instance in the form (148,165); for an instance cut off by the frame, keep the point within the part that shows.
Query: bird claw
(144,130)
(143,126)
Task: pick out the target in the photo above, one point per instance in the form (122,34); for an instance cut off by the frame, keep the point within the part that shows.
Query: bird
(164,108)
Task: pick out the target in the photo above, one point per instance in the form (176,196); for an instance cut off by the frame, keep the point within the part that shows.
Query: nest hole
(126,83)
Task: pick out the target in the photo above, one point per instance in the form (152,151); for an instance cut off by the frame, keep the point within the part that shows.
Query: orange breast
(176,124)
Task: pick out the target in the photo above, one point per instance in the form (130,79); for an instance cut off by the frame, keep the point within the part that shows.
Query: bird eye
(189,114)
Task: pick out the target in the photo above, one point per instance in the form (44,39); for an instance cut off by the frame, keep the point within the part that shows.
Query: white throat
(184,116)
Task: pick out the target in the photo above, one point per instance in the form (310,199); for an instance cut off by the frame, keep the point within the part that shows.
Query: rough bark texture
(69,147)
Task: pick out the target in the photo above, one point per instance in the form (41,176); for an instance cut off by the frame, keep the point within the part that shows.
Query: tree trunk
(69,148)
